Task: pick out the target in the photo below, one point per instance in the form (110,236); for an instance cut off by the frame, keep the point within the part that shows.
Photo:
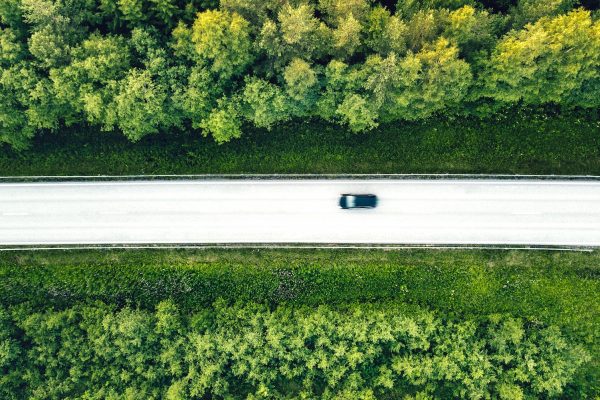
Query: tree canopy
(148,66)
(249,351)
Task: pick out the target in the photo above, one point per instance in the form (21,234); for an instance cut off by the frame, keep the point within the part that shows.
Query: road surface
(480,212)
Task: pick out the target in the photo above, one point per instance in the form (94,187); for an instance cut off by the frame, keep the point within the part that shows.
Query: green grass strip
(518,143)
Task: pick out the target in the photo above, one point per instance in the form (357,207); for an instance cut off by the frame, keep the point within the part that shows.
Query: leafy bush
(247,351)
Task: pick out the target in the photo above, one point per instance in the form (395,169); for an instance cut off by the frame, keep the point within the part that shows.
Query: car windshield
(351,201)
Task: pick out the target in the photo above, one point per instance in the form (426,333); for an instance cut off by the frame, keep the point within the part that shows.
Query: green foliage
(424,27)
(223,122)
(417,85)
(356,112)
(444,79)
(538,144)
(338,10)
(297,33)
(265,104)
(385,33)
(139,105)
(132,10)
(11,14)
(407,8)
(529,11)
(255,11)
(302,87)
(250,351)
(222,41)
(146,66)
(473,31)
(544,287)
(10,357)
(90,83)
(555,60)
(120,15)
(197,97)
(346,37)
(15,85)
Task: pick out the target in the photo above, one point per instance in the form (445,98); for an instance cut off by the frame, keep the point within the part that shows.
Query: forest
(142,67)
(248,351)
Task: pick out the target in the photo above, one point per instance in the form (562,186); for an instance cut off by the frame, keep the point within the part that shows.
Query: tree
(359,351)
(474,32)
(140,105)
(165,10)
(338,10)
(56,27)
(27,99)
(418,85)
(90,83)
(264,104)
(257,12)
(298,34)
(182,43)
(385,33)
(445,79)
(133,11)
(11,379)
(555,60)
(356,112)
(15,128)
(144,66)
(302,86)
(425,26)
(223,122)
(347,37)
(222,41)
(335,83)
(165,78)
(11,15)
(408,8)
(529,11)
(385,77)
(198,96)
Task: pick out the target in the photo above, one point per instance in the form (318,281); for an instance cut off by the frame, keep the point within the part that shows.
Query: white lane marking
(11,214)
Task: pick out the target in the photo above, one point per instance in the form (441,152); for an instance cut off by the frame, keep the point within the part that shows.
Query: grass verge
(522,143)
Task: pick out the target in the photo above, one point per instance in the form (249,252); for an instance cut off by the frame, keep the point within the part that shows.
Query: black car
(358,201)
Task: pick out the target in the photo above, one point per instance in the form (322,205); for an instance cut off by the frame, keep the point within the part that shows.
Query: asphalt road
(301,211)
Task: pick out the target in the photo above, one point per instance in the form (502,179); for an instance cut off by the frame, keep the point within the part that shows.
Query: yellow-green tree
(473,31)
(302,87)
(90,82)
(556,60)
(298,33)
(529,11)
(385,32)
(222,41)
